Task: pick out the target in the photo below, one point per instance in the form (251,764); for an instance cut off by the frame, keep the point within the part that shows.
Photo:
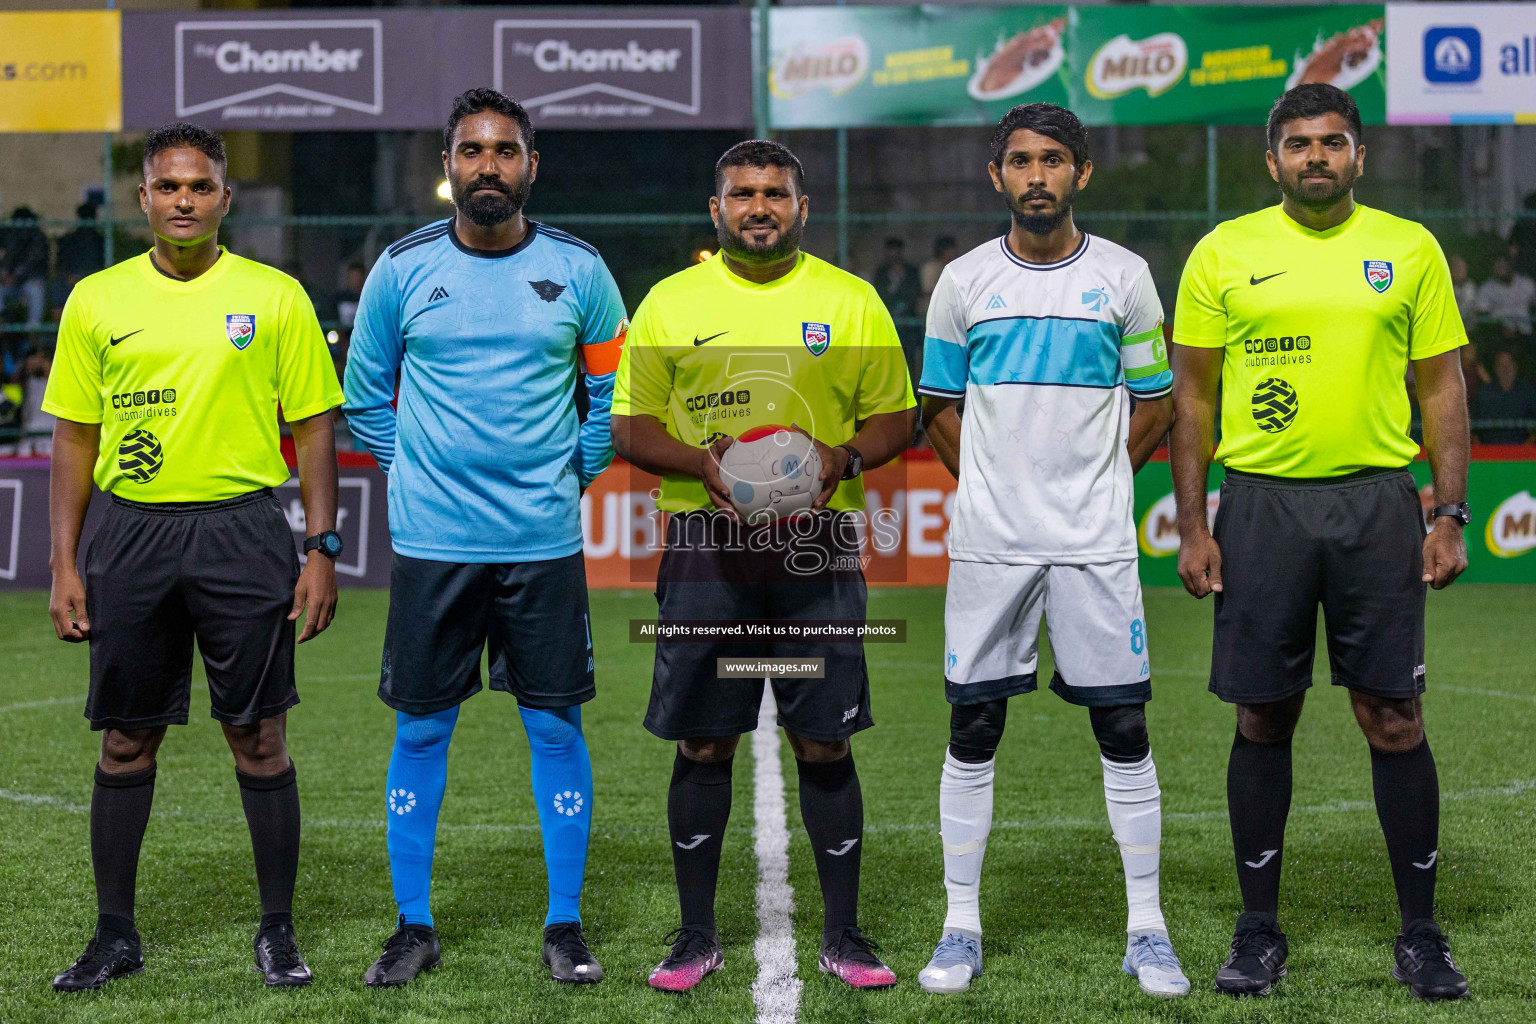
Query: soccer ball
(771,473)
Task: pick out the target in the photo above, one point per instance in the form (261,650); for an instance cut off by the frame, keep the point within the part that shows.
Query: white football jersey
(1044,354)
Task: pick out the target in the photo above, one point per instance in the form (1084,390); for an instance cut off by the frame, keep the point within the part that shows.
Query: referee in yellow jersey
(761,334)
(169,374)
(1306,315)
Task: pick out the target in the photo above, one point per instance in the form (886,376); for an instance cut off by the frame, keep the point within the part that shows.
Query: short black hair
(1312,100)
(475,101)
(85,211)
(184,134)
(760,153)
(1046,119)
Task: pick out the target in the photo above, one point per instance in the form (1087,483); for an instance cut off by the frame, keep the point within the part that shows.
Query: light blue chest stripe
(1044,350)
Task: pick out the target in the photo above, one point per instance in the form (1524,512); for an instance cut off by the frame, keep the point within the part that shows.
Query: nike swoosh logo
(1429,863)
(125,337)
(1262,860)
(1261,280)
(696,841)
(699,341)
(847,845)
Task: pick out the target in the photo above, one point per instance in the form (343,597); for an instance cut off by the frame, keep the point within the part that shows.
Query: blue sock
(418,774)
(562,791)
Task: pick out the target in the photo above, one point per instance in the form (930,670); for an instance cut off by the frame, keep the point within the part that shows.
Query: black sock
(119,814)
(832,806)
(1258,802)
(698,808)
(1408,805)
(271,805)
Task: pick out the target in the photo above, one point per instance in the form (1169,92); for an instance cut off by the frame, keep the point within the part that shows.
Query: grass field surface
(1053,902)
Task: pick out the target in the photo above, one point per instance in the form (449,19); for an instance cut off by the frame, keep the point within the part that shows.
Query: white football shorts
(1096,625)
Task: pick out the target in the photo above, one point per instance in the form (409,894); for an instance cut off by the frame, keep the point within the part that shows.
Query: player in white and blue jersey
(1047,334)
(487,318)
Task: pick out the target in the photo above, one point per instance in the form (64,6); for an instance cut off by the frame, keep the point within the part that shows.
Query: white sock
(1136,818)
(965,819)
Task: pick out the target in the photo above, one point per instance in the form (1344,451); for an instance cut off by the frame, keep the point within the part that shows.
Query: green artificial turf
(1053,901)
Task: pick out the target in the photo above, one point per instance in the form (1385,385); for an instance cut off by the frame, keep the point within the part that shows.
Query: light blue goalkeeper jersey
(485,451)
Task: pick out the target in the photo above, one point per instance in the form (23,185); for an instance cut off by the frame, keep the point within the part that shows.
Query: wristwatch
(327,543)
(855,462)
(1461,512)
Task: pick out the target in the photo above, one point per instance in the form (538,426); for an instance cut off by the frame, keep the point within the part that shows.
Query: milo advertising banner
(1216,65)
(1501,539)
(848,66)
(839,66)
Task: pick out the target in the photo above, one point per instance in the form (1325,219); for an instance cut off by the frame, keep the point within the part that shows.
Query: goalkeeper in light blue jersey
(486,318)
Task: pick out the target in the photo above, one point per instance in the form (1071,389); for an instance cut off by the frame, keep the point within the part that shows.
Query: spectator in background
(79,253)
(351,294)
(36,425)
(1522,239)
(1465,289)
(1506,298)
(896,280)
(24,263)
(944,250)
(1505,398)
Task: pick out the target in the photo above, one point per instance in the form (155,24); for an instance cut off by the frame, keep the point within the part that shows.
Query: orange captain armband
(603,358)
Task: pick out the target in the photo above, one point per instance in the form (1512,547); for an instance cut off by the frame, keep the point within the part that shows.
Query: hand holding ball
(771,473)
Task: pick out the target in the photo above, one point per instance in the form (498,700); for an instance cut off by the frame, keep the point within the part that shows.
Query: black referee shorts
(1353,545)
(711,569)
(158,575)
(442,616)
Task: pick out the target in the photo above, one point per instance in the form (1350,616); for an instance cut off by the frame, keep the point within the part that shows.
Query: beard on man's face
(1046,222)
(488,209)
(1318,194)
(739,247)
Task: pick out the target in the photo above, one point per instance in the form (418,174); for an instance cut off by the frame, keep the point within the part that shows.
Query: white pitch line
(776,992)
(1527,698)
(48,703)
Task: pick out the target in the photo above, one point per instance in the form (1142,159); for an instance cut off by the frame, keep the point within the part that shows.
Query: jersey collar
(152,273)
(493,254)
(1077,253)
(1355,217)
(719,260)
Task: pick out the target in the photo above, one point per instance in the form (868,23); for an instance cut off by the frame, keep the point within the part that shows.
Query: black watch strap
(1460,511)
(327,543)
(855,461)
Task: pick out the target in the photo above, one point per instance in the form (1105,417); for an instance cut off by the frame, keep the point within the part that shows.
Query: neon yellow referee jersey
(1318,328)
(711,354)
(185,377)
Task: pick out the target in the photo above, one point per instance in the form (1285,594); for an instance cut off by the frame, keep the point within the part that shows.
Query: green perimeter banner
(1501,539)
(852,66)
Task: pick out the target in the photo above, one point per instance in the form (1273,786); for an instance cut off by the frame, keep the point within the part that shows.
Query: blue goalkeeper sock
(562,792)
(418,774)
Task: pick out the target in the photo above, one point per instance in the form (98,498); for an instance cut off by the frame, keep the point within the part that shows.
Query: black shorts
(710,570)
(1353,545)
(156,575)
(442,615)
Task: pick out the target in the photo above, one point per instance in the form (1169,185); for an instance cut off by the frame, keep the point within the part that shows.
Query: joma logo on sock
(1428,863)
(696,841)
(1262,860)
(847,845)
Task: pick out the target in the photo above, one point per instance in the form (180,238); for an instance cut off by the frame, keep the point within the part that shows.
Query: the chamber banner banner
(371,68)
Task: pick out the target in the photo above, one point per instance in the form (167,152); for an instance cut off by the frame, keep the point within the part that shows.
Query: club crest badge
(1378,274)
(817,337)
(241,328)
